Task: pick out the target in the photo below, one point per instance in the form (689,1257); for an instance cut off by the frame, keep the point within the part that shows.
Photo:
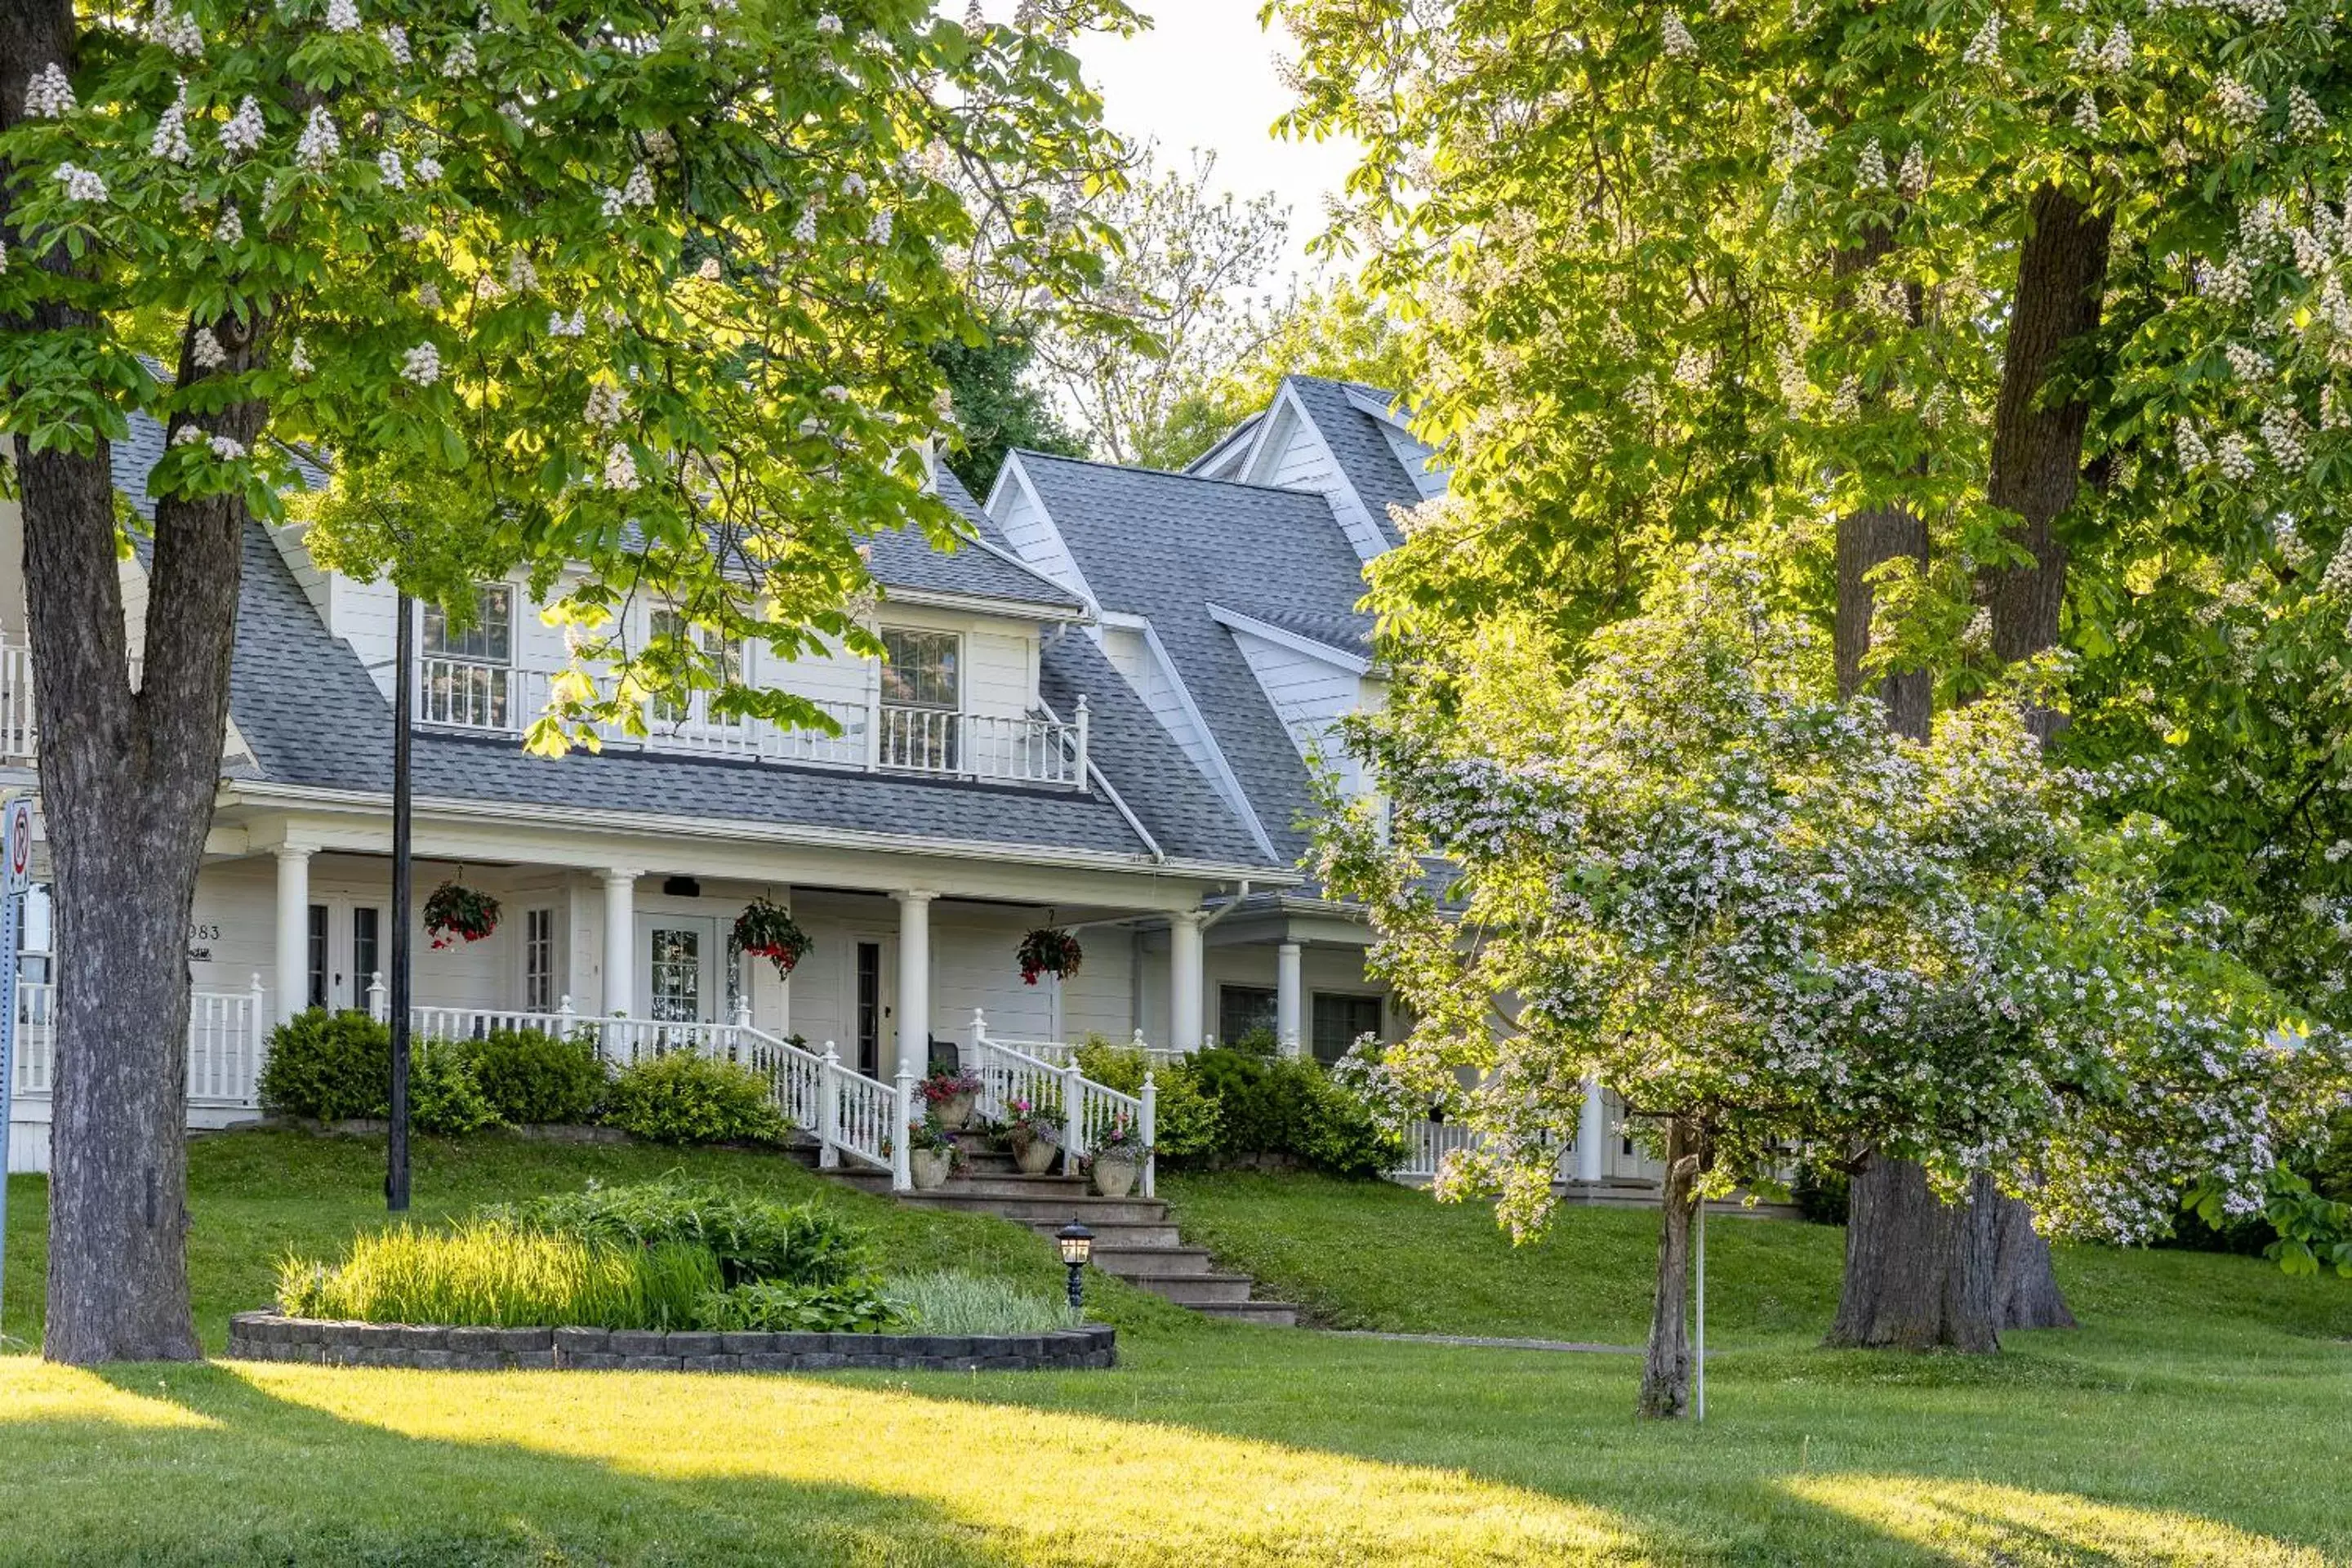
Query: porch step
(1265,1314)
(1127,1262)
(1192,1289)
(1111,1238)
(1088,1210)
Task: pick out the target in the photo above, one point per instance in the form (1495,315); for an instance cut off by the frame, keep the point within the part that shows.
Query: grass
(493,1273)
(954,1304)
(2198,1418)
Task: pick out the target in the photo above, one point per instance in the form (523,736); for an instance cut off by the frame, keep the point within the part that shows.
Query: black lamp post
(403,700)
(1077,1245)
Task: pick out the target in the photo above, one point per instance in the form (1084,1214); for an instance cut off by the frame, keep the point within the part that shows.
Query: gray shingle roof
(904,558)
(313,716)
(1344,631)
(1166,546)
(1364,455)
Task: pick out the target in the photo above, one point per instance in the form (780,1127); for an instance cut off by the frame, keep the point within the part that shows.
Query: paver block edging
(269,1336)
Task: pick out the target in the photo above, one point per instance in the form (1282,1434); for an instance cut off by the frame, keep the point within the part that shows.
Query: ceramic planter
(1035,1156)
(955,1111)
(1114,1175)
(931,1168)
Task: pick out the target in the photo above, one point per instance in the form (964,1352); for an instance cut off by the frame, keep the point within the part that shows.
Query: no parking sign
(15,877)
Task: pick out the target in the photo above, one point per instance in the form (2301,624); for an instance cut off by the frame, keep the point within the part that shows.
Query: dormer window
(467,670)
(923,700)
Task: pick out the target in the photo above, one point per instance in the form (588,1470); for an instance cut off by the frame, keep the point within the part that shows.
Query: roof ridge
(1177,474)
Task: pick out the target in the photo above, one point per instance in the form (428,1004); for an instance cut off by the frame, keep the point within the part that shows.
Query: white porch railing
(1426,1144)
(496,699)
(19,736)
(1088,1110)
(1060,1053)
(850,1115)
(227,1037)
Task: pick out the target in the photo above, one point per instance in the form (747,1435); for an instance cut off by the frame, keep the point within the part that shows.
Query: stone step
(1194,1290)
(1128,1261)
(1018,1186)
(1110,1237)
(1268,1314)
(1086,1210)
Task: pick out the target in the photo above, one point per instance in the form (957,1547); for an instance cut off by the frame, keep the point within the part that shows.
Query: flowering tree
(1766,920)
(2043,304)
(644,294)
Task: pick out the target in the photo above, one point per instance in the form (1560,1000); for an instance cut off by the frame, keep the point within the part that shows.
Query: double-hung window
(467,679)
(725,657)
(923,700)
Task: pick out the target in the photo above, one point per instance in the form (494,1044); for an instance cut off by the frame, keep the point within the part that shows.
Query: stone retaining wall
(266,1336)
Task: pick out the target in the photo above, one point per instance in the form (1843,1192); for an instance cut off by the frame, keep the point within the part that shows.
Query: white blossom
(661,146)
(205,349)
(343,17)
(1799,143)
(187,436)
(2115,57)
(488,289)
(174,31)
(387,167)
(243,132)
(805,226)
(48,95)
(2240,105)
(828,25)
(620,468)
(421,366)
(2087,116)
(1870,169)
(607,407)
(1675,36)
(709,269)
(878,231)
(321,141)
(975,20)
(460,61)
(1845,404)
(2247,364)
(428,169)
(428,295)
(81,185)
(1984,49)
(1912,178)
(230,227)
(2332,413)
(853,186)
(561,326)
(299,359)
(2229,284)
(523,275)
(227,449)
(837,393)
(169,143)
(395,38)
(636,191)
(2302,116)
(2237,463)
(2282,433)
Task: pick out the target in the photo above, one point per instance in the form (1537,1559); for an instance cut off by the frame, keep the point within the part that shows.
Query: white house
(1099,713)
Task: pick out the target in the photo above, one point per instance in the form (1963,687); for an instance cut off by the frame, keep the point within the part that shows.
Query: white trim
(705,829)
(1365,403)
(1337,659)
(1229,782)
(1016,472)
(942,599)
(1200,466)
(1348,507)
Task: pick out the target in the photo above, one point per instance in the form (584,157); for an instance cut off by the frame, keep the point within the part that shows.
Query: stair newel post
(1148,1132)
(992,1104)
(902,1154)
(1084,784)
(257,1040)
(378,1005)
(1073,1119)
(828,1109)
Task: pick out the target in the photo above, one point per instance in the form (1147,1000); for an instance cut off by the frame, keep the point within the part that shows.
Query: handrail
(227,1041)
(1088,1110)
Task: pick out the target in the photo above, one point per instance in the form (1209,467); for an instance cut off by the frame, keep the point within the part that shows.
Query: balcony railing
(1032,748)
(19,737)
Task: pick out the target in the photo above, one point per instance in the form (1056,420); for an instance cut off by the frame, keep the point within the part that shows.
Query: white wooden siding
(1308,694)
(1293,455)
(1032,535)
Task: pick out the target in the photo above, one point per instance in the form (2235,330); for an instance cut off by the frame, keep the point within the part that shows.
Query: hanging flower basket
(766,929)
(1048,952)
(456,910)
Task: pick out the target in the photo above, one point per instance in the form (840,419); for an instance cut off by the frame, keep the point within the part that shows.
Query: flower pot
(1035,1156)
(955,1111)
(931,1167)
(1114,1176)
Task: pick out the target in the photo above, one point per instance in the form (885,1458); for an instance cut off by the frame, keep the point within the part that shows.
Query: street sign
(15,877)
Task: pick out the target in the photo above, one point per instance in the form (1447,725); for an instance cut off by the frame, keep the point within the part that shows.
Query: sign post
(15,878)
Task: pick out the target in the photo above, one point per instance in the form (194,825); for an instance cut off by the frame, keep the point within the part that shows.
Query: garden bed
(269,1336)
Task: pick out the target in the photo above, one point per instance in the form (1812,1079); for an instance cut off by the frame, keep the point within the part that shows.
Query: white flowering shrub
(1689,872)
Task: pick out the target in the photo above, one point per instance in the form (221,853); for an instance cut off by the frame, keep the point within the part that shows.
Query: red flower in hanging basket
(1048,952)
(455,912)
(767,928)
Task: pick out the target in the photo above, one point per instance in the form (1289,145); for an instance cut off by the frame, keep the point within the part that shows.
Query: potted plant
(1118,1160)
(931,1153)
(1048,952)
(455,911)
(1033,1137)
(952,1096)
(767,928)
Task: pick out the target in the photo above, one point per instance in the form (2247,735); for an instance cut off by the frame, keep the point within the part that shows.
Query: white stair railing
(19,736)
(1088,1110)
(228,1035)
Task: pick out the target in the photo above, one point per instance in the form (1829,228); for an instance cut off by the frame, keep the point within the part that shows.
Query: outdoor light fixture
(1077,1245)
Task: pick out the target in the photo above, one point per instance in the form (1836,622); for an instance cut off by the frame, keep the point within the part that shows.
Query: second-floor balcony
(477,698)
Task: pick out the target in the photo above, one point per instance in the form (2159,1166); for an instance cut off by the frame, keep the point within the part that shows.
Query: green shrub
(1184,1122)
(332,1066)
(532,1076)
(1283,1105)
(444,1096)
(490,1274)
(751,1237)
(952,1302)
(852,1307)
(685,1099)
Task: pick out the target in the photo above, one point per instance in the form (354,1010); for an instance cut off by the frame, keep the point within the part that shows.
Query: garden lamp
(1077,1245)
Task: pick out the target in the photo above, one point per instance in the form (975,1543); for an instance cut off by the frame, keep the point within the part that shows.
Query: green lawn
(2198,1418)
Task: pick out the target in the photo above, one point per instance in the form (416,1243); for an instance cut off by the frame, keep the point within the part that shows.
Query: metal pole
(14,906)
(1699,1401)
(404,699)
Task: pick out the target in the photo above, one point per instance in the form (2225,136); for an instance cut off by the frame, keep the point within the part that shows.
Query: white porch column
(1185,981)
(293,930)
(1589,1131)
(620,941)
(915,980)
(1287,998)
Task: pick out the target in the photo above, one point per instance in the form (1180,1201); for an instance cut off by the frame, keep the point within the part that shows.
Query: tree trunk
(1666,1374)
(1919,1272)
(2025,1286)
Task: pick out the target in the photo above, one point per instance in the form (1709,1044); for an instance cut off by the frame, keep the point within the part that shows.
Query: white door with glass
(692,974)
(347,950)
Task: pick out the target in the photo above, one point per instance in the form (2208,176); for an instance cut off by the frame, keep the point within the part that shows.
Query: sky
(1203,76)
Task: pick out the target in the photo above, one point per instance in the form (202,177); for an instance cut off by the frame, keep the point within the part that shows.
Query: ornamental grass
(952,1302)
(495,1274)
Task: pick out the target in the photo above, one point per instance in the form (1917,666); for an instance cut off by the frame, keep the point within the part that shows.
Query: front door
(692,976)
(873,1006)
(347,951)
